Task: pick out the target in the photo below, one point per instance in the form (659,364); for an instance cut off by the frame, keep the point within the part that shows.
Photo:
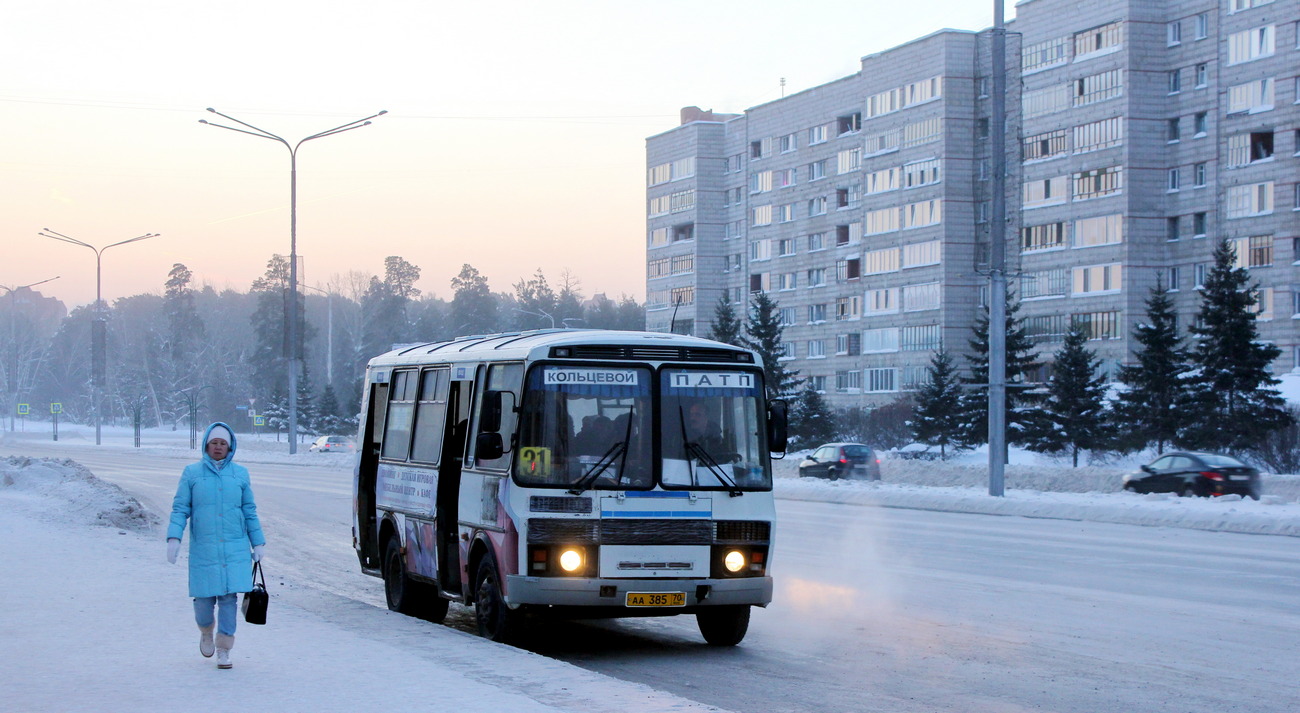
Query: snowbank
(65,490)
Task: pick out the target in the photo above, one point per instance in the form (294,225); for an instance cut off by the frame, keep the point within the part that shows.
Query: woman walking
(214,495)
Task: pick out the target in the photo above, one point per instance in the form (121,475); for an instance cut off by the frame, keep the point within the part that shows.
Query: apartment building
(1139,133)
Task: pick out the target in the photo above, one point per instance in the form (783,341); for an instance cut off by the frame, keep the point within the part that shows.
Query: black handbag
(255,601)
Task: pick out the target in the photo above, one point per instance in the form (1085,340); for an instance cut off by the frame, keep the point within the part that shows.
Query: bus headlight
(734,561)
(571,560)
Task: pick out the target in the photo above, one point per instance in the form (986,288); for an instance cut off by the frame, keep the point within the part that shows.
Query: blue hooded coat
(216,498)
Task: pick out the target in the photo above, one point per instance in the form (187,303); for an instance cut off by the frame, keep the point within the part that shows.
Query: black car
(841,460)
(1195,474)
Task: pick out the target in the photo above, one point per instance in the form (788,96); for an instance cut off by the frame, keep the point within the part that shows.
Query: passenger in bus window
(215,497)
(596,436)
(701,430)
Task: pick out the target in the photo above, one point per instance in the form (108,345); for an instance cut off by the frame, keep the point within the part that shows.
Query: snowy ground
(95,621)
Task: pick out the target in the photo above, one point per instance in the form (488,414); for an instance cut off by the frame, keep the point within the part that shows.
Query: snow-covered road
(883,607)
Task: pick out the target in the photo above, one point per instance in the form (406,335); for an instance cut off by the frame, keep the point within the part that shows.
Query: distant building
(1139,133)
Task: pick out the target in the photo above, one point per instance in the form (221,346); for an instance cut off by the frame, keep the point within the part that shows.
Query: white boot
(224,645)
(206,646)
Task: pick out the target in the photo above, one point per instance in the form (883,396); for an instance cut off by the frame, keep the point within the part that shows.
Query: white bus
(579,473)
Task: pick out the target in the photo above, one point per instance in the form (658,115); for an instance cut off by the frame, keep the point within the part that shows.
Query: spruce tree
(1148,410)
(1231,402)
(938,417)
(811,421)
(1019,361)
(727,327)
(764,327)
(1072,417)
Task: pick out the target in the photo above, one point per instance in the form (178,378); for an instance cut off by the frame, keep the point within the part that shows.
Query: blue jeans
(225,605)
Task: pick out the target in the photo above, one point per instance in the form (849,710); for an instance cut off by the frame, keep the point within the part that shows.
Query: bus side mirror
(777,426)
(488,446)
(490,419)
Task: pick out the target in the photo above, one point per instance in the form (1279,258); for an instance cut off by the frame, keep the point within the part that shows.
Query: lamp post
(13,341)
(98,328)
(191,396)
(293,243)
(329,334)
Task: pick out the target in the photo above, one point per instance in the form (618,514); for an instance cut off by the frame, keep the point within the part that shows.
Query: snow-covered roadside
(97,620)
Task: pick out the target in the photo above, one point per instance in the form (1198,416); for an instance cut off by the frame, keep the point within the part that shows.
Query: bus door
(367,467)
(459,398)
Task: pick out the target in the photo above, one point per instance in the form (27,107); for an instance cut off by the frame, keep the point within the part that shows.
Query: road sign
(56,408)
(24,409)
(259,420)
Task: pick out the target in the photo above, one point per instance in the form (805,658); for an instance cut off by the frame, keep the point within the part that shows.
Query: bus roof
(599,344)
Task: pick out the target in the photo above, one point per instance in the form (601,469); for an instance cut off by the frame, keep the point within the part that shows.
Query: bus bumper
(571,591)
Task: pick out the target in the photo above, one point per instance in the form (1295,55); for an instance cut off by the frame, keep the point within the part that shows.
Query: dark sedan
(841,460)
(1195,474)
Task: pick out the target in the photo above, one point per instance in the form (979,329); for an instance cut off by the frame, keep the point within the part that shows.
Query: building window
(1250,45)
(760,250)
(1173,131)
(786,316)
(816,348)
(658,268)
(885,142)
(1098,325)
(849,123)
(1252,97)
(686,231)
(881,380)
(1171,228)
(1255,251)
(923,91)
(921,173)
(1051,328)
(1098,87)
(923,213)
(848,381)
(1098,183)
(921,254)
(879,341)
(848,308)
(787,143)
(1098,135)
(787,281)
(1045,54)
(816,241)
(882,301)
(682,295)
(1045,283)
(1098,39)
(760,282)
(922,132)
(881,261)
(1175,278)
(1249,200)
(1200,123)
(884,180)
(1202,75)
(816,276)
(1097,278)
(1199,172)
(849,269)
(785,247)
(921,338)
(1202,25)
(658,237)
(817,135)
(1174,33)
(1175,81)
(920,297)
(1173,180)
(849,160)
(760,215)
(885,102)
(817,206)
(1042,237)
(1048,191)
(816,314)
(1198,225)
(817,170)
(1040,102)
(849,234)
(1200,271)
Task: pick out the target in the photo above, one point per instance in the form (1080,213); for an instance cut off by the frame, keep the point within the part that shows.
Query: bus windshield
(710,431)
(585,427)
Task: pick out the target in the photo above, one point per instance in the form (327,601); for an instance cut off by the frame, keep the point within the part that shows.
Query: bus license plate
(656,599)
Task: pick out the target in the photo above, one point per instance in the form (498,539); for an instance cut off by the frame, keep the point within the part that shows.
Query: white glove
(257,552)
(173,549)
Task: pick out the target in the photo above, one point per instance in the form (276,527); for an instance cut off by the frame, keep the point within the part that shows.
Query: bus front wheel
(723,625)
(496,621)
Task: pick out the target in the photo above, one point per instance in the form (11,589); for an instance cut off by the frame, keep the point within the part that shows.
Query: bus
(573,473)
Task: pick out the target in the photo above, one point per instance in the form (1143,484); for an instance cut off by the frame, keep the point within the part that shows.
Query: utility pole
(998,260)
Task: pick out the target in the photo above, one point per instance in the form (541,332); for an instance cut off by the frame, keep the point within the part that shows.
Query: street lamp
(13,341)
(293,243)
(329,334)
(191,396)
(98,330)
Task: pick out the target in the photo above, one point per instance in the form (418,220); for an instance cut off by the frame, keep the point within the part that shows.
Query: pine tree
(938,418)
(327,412)
(1072,417)
(307,415)
(727,327)
(474,307)
(764,337)
(1148,410)
(811,421)
(1019,361)
(1231,401)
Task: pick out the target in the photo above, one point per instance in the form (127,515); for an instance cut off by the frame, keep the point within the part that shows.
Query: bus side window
(505,378)
(401,407)
(430,412)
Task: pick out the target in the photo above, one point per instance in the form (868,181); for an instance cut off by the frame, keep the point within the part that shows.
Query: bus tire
(400,592)
(434,607)
(723,625)
(496,621)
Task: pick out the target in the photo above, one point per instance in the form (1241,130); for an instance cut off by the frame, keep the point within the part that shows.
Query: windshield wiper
(695,449)
(600,466)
